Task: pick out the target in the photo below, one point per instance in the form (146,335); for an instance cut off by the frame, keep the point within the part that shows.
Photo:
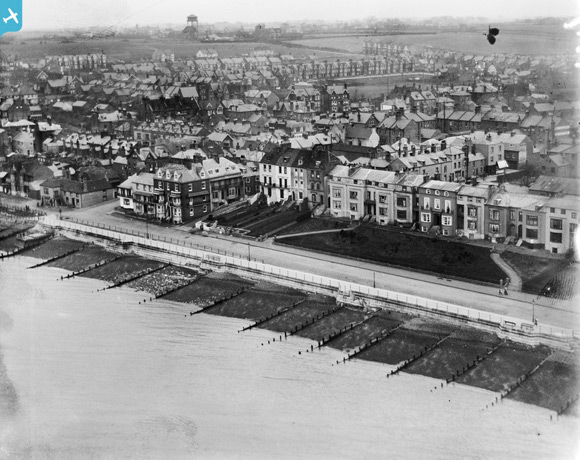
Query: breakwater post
(371,343)
(217,302)
(60,256)
(408,362)
(273,315)
(90,267)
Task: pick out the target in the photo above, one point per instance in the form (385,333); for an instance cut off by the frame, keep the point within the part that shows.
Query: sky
(61,14)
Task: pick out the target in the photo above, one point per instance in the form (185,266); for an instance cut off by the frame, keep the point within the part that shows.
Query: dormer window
(436,192)
(428,192)
(160,173)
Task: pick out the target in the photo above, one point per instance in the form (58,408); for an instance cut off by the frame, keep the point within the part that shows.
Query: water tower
(192,27)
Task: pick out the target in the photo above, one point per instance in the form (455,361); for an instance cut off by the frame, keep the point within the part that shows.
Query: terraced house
(298,174)
(225,181)
(471,201)
(361,193)
(183,194)
(438,206)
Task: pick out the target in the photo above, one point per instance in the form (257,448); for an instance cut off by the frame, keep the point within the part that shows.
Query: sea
(87,373)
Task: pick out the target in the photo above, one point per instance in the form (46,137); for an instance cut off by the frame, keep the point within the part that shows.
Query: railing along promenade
(347,292)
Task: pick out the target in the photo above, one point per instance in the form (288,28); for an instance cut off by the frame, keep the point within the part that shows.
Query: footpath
(548,311)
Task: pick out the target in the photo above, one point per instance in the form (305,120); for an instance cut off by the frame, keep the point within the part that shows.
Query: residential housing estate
(174,140)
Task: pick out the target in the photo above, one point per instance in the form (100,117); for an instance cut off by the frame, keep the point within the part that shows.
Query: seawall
(349,293)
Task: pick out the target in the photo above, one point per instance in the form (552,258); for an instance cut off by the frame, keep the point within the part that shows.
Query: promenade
(547,311)
(558,313)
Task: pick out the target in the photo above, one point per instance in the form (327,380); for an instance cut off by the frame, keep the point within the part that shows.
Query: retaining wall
(350,293)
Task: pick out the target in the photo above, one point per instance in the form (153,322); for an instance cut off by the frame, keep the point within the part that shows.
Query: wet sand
(318,318)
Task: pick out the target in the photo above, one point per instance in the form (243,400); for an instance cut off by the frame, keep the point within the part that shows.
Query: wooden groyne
(410,361)
(231,295)
(89,268)
(371,343)
(272,316)
(523,378)
(141,274)
(336,334)
(313,319)
(568,404)
(19,251)
(60,256)
(475,363)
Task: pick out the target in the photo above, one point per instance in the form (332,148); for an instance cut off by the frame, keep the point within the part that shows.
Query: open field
(135,49)
(526,39)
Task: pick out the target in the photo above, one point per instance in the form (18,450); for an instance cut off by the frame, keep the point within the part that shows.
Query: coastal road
(548,311)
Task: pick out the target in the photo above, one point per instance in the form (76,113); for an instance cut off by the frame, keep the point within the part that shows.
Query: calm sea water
(98,376)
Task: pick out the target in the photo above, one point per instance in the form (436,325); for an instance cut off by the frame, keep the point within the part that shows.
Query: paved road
(485,298)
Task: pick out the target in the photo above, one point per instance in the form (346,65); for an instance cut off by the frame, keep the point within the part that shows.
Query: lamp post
(534,311)
(249,255)
(147,226)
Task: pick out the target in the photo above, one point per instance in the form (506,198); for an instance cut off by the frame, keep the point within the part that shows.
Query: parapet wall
(349,293)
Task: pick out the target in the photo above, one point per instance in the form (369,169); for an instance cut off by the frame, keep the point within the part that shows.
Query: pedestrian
(505,291)
(500,291)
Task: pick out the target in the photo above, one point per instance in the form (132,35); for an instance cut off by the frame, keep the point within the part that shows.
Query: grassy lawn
(527,39)
(535,272)
(314,225)
(405,249)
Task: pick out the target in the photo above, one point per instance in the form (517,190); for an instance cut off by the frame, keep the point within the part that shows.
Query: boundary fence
(346,292)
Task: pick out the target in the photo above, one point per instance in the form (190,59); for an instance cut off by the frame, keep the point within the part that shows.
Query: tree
(529,174)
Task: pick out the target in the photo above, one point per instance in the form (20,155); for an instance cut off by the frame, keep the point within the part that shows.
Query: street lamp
(249,255)
(534,311)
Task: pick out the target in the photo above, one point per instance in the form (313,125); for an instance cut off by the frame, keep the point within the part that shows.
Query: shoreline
(278,308)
